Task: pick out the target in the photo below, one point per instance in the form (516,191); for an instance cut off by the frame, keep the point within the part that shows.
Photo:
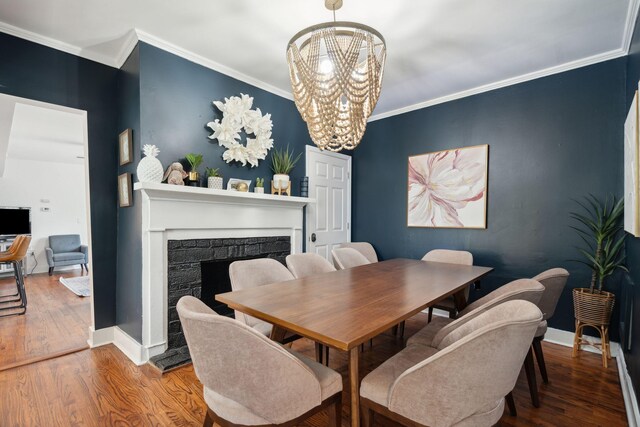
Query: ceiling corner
(630,23)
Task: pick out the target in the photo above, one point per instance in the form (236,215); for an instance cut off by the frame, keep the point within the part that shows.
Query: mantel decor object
(336,71)
(214,179)
(150,169)
(279,189)
(241,185)
(238,117)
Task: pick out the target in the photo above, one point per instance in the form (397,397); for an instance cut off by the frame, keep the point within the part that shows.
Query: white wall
(26,182)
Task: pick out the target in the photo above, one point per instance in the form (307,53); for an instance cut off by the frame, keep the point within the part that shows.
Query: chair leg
(367,417)
(453,313)
(402,329)
(208,419)
(335,412)
(537,348)
(326,355)
(511,404)
(430,315)
(394,331)
(86,267)
(530,370)
(319,352)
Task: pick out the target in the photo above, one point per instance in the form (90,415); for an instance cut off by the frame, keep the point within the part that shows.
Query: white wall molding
(129,43)
(100,337)
(629,25)
(129,346)
(628,393)
(606,56)
(56,44)
(212,65)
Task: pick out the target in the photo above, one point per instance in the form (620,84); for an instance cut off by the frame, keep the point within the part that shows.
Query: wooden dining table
(345,308)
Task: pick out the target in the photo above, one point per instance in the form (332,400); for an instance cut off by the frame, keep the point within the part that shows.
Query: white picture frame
(631,175)
(233,183)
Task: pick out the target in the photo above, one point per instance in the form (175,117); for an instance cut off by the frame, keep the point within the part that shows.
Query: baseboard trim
(100,337)
(565,338)
(129,346)
(628,393)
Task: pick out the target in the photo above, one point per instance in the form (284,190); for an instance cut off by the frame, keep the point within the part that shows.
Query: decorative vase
(214,182)
(304,187)
(150,169)
(258,190)
(594,310)
(281,181)
(194,179)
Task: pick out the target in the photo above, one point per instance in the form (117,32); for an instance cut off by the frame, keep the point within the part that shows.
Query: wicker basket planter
(593,310)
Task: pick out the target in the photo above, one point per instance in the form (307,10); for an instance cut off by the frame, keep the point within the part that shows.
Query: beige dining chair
(250,380)
(365,248)
(450,257)
(308,264)
(344,258)
(253,273)
(462,380)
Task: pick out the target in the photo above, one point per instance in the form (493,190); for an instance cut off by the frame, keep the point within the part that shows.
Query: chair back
(65,243)
(553,281)
(472,372)
(21,250)
(348,258)
(449,256)
(365,248)
(235,362)
(308,264)
(525,289)
(253,273)
(16,243)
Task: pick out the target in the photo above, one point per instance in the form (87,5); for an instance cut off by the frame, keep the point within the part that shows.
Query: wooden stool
(281,191)
(604,346)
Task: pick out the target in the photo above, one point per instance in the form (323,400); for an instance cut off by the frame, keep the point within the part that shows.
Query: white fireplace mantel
(171,212)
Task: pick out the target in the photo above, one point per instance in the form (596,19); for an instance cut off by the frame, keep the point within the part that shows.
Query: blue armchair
(66,250)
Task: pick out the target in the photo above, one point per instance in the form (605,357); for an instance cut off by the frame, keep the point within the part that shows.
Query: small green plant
(259,182)
(195,160)
(600,227)
(212,172)
(282,161)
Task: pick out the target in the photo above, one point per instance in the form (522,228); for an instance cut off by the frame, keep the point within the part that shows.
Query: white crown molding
(56,44)
(629,25)
(200,60)
(130,42)
(612,54)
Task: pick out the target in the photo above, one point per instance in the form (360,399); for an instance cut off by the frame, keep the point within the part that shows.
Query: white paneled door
(329,219)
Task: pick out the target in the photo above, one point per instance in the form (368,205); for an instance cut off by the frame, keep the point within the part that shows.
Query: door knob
(313,237)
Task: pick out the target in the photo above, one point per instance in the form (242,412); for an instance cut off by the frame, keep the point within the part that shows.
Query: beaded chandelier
(336,75)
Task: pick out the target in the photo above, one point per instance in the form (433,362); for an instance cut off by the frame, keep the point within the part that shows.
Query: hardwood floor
(56,321)
(101,387)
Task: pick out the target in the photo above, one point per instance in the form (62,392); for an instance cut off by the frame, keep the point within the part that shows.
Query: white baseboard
(628,393)
(565,338)
(129,346)
(100,337)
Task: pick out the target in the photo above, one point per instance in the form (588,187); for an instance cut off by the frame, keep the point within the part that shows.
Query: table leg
(459,300)
(354,380)
(278,333)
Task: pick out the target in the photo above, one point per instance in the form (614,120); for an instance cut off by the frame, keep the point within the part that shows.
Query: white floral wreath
(238,115)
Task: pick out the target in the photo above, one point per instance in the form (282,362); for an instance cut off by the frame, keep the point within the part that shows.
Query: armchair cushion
(68,256)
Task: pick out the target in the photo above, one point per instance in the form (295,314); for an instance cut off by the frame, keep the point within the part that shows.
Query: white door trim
(314,149)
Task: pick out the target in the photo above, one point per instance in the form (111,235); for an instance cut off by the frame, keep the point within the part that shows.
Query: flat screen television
(14,221)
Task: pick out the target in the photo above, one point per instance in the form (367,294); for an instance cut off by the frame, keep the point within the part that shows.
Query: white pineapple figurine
(150,169)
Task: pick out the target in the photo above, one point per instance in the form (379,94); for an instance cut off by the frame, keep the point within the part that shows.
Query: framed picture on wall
(125,143)
(448,189)
(631,174)
(125,196)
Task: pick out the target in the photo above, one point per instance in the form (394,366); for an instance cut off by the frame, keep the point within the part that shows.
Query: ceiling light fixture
(336,74)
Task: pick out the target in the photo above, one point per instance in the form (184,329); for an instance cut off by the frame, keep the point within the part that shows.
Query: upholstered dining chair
(308,264)
(344,258)
(250,380)
(462,379)
(450,257)
(365,248)
(14,256)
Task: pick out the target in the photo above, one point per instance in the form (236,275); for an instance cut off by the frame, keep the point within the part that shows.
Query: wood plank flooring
(56,321)
(101,387)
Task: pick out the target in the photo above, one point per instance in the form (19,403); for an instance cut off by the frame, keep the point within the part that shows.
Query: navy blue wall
(36,72)
(175,104)
(128,291)
(632,356)
(551,140)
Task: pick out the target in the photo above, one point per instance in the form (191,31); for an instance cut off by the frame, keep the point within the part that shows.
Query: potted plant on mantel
(259,188)
(282,163)
(195,160)
(214,179)
(601,229)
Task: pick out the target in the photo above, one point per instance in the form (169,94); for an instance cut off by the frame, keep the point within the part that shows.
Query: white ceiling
(32,130)
(436,50)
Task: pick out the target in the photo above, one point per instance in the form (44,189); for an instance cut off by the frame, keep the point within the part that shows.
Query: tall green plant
(195,160)
(600,226)
(282,161)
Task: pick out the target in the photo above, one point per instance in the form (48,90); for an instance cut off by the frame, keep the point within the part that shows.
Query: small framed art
(125,144)
(124,190)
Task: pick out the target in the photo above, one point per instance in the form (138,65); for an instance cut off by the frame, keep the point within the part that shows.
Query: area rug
(77,285)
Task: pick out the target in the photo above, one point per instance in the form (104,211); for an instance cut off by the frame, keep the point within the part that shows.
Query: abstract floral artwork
(448,189)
